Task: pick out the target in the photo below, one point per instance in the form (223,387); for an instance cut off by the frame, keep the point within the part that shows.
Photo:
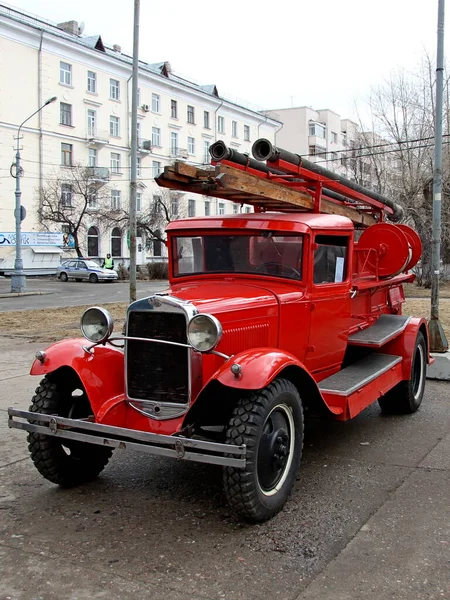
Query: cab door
(330,302)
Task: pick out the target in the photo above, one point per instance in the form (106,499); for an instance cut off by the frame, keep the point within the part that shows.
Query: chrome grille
(157,372)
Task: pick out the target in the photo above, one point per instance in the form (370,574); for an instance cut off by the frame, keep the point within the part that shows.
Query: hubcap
(275,451)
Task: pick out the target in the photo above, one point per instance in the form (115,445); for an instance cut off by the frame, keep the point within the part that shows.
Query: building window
(66,195)
(116,242)
(93,241)
(334,156)
(156,136)
(155,103)
(174,207)
(344,138)
(317,129)
(91,121)
(92,160)
(114,89)
(206,157)
(157,244)
(92,197)
(92,82)
(115,162)
(190,114)
(221,208)
(138,202)
(115,199)
(247,133)
(66,155)
(334,137)
(191,207)
(206,120)
(191,145)
(65,111)
(65,73)
(114,126)
(173,143)
(138,166)
(156,204)
(235,209)
(221,124)
(207,208)
(156,168)
(173,109)
(248,209)
(234,129)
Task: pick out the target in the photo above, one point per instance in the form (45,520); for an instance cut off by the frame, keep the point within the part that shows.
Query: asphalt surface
(52,293)
(369,517)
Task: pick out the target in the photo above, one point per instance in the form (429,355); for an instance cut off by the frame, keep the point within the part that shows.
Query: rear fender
(404,344)
(101,372)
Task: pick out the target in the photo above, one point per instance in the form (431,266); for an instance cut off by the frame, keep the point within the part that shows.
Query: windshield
(267,253)
(92,264)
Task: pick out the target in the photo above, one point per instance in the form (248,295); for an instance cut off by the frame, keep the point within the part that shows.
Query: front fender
(259,367)
(101,373)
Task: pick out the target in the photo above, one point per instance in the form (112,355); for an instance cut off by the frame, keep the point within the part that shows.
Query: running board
(118,437)
(386,328)
(359,374)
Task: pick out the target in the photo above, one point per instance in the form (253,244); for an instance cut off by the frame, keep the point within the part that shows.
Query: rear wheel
(406,396)
(93,278)
(270,424)
(65,462)
(63,277)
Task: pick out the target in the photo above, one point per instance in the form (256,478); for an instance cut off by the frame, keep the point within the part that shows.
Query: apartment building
(89,125)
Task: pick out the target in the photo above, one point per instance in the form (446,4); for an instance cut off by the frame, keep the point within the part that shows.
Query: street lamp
(18,283)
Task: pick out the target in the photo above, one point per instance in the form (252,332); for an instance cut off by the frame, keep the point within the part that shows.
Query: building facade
(89,126)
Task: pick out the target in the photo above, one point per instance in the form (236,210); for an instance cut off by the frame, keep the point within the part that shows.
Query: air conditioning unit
(145,107)
(146,145)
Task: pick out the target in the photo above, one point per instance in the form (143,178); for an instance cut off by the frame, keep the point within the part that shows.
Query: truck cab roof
(290,222)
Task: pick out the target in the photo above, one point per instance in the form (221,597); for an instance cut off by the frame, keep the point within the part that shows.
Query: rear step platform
(385,329)
(359,374)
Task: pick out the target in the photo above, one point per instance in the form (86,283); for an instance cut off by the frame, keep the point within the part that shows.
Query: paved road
(369,518)
(71,293)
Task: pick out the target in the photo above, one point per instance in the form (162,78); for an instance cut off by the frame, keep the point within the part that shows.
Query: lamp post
(18,283)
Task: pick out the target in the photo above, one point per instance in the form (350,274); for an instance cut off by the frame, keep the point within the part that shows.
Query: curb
(20,294)
(440,369)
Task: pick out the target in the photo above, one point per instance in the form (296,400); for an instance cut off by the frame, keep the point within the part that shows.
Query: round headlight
(96,324)
(204,332)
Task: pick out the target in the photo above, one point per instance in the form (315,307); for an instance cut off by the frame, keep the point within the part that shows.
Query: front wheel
(406,396)
(62,461)
(270,423)
(63,277)
(93,278)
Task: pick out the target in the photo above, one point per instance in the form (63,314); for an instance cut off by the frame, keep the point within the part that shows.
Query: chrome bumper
(121,438)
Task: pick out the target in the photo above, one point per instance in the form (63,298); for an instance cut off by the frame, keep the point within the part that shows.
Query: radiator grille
(157,372)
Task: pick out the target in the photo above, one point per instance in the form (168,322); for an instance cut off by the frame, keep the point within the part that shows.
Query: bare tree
(67,197)
(402,113)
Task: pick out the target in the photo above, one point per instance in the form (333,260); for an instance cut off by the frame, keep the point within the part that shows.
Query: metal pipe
(263,149)
(439,342)
(220,151)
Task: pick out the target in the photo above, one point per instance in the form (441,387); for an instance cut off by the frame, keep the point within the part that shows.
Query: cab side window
(330,259)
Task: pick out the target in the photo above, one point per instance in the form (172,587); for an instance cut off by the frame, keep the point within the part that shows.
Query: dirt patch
(421,308)
(414,291)
(53,324)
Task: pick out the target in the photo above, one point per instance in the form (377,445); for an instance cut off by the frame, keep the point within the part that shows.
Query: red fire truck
(292,310)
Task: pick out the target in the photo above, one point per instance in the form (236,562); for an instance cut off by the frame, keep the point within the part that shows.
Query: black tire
(63,277)
(93,278)
(64,462)
(270,423)
(406,396)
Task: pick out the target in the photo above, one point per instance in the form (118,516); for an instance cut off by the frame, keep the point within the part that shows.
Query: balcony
(98,173)
(179,153)
(96,138)
(144,146)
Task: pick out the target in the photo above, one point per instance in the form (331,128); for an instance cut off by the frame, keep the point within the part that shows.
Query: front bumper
(118,437)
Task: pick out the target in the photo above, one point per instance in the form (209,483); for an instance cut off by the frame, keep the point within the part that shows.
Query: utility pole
(134,142)
(18,280)
(438,341)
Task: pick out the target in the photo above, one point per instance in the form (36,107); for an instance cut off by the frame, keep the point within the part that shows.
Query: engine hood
(228,299)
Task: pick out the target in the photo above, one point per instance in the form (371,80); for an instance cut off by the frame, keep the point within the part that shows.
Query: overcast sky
(319,53)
